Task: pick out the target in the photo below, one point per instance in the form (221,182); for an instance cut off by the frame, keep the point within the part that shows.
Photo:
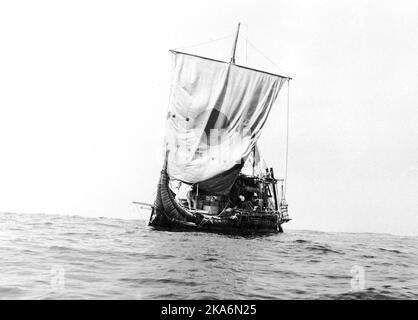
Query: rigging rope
(203,43)
(246,41)
(246,45)
(287,138)
(268,59)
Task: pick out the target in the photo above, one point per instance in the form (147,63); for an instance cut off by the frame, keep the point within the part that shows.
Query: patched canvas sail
(216,113)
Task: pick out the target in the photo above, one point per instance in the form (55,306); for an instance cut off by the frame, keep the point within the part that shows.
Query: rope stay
(246,44)
(206,42)
(268,59)
(287,138)
(246,41)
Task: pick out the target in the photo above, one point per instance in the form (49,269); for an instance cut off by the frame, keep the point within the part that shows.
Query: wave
(323,249)
(116,259)
(391,250)
(371,294)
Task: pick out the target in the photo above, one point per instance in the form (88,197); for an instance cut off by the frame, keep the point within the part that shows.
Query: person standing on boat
(190,195)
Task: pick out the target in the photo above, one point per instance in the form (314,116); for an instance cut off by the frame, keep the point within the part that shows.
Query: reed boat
(214,177)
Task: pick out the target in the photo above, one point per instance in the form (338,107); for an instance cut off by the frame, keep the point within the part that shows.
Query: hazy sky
(84,90)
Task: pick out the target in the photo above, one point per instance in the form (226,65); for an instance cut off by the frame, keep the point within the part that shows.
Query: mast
(235,44)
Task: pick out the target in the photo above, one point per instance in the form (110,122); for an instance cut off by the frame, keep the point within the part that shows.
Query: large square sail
(216,112)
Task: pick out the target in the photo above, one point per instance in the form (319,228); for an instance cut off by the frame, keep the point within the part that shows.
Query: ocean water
(73,257)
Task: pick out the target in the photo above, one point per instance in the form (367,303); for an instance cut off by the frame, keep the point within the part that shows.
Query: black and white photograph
(179,151)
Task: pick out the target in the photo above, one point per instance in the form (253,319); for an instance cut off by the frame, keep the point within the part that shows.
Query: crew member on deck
(191,194)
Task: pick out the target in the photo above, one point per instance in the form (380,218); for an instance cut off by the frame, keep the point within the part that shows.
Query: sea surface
(72,257)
